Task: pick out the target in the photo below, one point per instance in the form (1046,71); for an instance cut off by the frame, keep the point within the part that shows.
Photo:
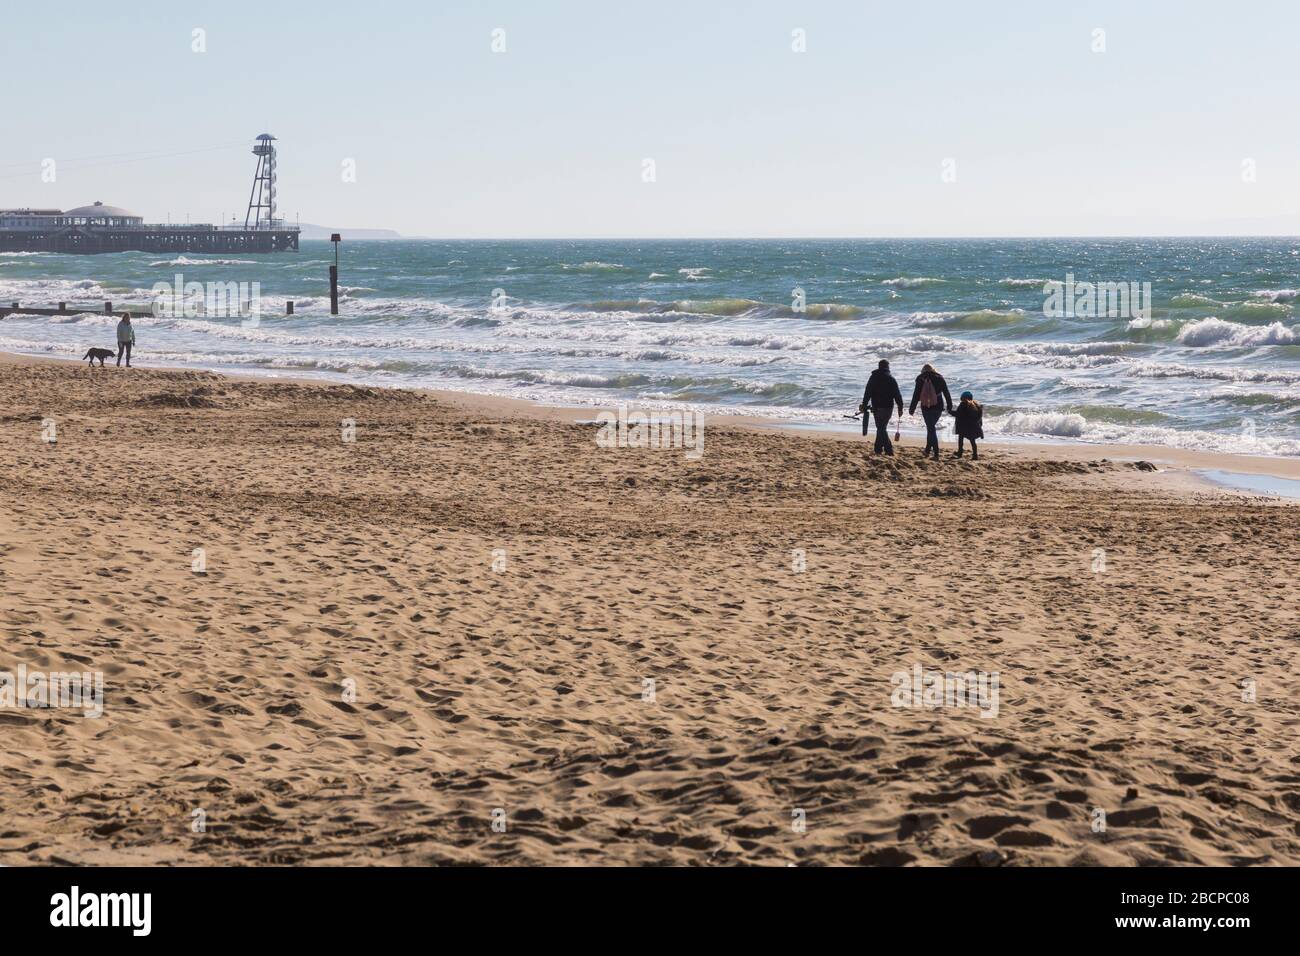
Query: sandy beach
(462,632)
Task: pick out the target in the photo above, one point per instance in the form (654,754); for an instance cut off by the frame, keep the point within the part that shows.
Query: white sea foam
(908,282)
(1077,428)
(186,261)
(1277,295)
(594,266)
(1213,331)
(1194,300)
(1214,373)
(974,321)
(545,376)
(1060,424)
(1154,324)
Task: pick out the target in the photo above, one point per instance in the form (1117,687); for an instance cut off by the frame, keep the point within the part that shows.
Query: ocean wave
(1277,295)
(186,261)
(1154,325)
(1069,348)
(1213,373)
(906,282)
(316,363)
(1076,427)
(681,308)
(1193,300)
(47,288)
(1215,331)
(1117,414)
(676,388)
(1259,309)
(593,266)
(83,318)
(1025,283)
(686,309)
(715,390)
(263,332)
(546,377)
(692,337)
(1060,424)
(42,348)
(720,307)
(980,319)
(1254,397)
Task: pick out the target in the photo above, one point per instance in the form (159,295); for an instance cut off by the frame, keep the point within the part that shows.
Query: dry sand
(522,690)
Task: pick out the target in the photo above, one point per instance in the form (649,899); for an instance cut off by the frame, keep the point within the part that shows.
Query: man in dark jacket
(879,399)
(932,401)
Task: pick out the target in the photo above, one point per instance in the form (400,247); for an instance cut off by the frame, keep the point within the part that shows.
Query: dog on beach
(100,354)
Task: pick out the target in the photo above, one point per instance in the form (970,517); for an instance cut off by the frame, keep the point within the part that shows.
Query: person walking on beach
(970,424)
(931,393)
(125,339)
(879,399)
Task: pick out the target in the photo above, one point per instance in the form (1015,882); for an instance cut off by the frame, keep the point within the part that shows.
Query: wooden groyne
(17,308)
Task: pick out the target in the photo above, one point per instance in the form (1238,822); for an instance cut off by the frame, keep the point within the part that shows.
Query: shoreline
(1184,463)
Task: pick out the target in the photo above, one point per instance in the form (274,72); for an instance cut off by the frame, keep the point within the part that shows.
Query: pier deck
(149,238)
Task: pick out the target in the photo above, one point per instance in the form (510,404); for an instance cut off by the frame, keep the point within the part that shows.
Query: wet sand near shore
(472,635)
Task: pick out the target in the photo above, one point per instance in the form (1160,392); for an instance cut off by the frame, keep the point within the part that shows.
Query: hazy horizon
(764,120)
(774,238)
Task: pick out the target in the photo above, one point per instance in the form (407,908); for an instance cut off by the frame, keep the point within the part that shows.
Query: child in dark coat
(970,424)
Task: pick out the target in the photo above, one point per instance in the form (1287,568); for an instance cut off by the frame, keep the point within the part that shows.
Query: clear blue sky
(748,137)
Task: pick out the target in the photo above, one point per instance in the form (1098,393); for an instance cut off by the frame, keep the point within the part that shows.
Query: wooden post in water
(108,308)
(334,275)
(288,307)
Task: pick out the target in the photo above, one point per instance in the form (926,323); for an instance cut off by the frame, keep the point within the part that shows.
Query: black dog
(100,354)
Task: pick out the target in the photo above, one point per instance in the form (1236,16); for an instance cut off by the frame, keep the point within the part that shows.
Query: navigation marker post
(334,275)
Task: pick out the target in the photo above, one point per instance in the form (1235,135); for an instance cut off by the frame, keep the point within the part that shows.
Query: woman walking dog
(125,338)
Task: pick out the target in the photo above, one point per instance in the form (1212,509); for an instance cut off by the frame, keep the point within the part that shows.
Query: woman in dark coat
(970,424)
(931,393)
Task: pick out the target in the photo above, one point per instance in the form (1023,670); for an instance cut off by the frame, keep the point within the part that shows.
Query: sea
(784,329)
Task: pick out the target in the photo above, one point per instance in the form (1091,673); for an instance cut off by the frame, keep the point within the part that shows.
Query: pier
(98,228)
(147,238)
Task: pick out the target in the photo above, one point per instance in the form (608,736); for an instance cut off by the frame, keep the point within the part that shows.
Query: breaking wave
(186,261)
(905,282)
(1214,331)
